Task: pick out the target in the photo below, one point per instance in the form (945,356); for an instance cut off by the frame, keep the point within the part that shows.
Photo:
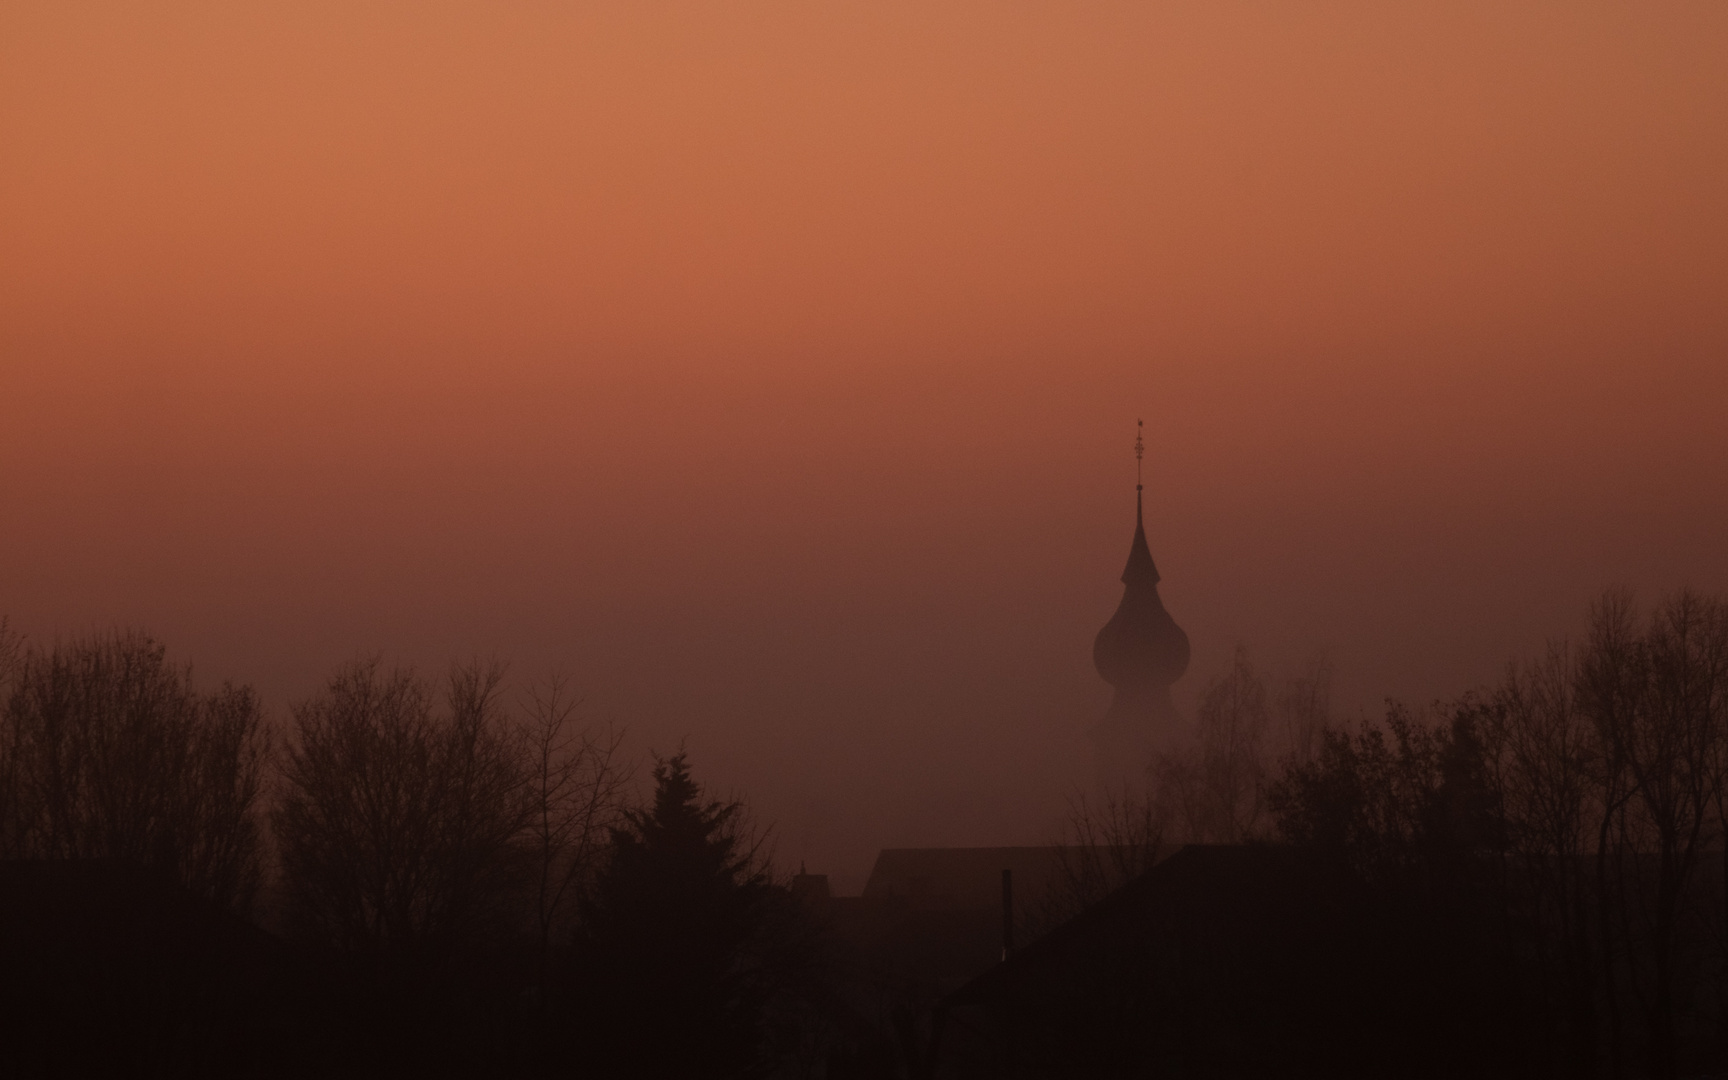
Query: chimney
(810,888)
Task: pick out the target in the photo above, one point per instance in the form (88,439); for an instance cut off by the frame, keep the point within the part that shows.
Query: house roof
(960,878)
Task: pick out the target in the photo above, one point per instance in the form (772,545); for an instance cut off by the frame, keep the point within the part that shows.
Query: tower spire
(1139,480)
(1139,453)
(1140,651)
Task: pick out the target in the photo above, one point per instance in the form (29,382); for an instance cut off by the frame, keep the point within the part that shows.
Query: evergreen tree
(669,974)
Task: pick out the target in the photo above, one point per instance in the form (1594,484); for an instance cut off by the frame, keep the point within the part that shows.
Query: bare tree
(14,822)
(1304,708)
(401,826)
(1655,695)
(1713,675)
(578,797)
(110,752)
(1675,761)
(1543,762)
(1614,754)
(11,656)
(1106,843)
(1213,793)
(1610,689)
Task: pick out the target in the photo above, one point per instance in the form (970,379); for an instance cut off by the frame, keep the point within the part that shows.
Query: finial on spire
(1139,452)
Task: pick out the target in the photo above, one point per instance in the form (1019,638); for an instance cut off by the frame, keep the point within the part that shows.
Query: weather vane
(1139,453)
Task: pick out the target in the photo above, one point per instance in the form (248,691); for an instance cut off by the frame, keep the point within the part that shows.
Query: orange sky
(773,368)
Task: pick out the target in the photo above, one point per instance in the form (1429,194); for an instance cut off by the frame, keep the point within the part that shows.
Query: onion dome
(1141,650)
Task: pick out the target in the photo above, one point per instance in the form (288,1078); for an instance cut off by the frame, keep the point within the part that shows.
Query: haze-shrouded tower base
(1141,652)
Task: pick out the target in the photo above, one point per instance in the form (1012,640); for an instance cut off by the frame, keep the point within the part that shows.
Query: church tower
(1141,652)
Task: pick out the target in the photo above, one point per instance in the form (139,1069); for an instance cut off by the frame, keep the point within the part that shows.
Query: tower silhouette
(1141,652)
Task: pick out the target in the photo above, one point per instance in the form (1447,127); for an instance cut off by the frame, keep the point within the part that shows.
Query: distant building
(1237,962)
(932,918)
(929,920)
(1141,652)
(961,879)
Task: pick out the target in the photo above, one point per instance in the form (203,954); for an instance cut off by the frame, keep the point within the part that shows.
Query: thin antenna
(1139,453)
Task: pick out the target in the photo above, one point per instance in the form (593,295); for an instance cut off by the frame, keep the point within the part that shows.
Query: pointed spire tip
(1139,452)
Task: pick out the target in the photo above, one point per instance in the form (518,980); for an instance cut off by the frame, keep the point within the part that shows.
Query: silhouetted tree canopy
(109,751)
(1396,802)
(1576,817)
(1531,881)
(669,953)
(399,822)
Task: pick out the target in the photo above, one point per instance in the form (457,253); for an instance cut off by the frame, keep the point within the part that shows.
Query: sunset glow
(774,369)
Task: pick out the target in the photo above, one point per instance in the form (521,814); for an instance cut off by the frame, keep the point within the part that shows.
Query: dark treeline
(1545,858)
(107,751)
(1575,816)
(457,881)
(458,884)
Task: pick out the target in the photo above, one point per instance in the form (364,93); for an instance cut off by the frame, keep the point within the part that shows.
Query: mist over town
(916,540)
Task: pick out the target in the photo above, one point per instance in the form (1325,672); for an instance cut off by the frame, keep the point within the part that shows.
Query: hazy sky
(773,369)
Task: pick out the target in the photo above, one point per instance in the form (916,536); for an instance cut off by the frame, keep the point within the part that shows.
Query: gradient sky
(772,369)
